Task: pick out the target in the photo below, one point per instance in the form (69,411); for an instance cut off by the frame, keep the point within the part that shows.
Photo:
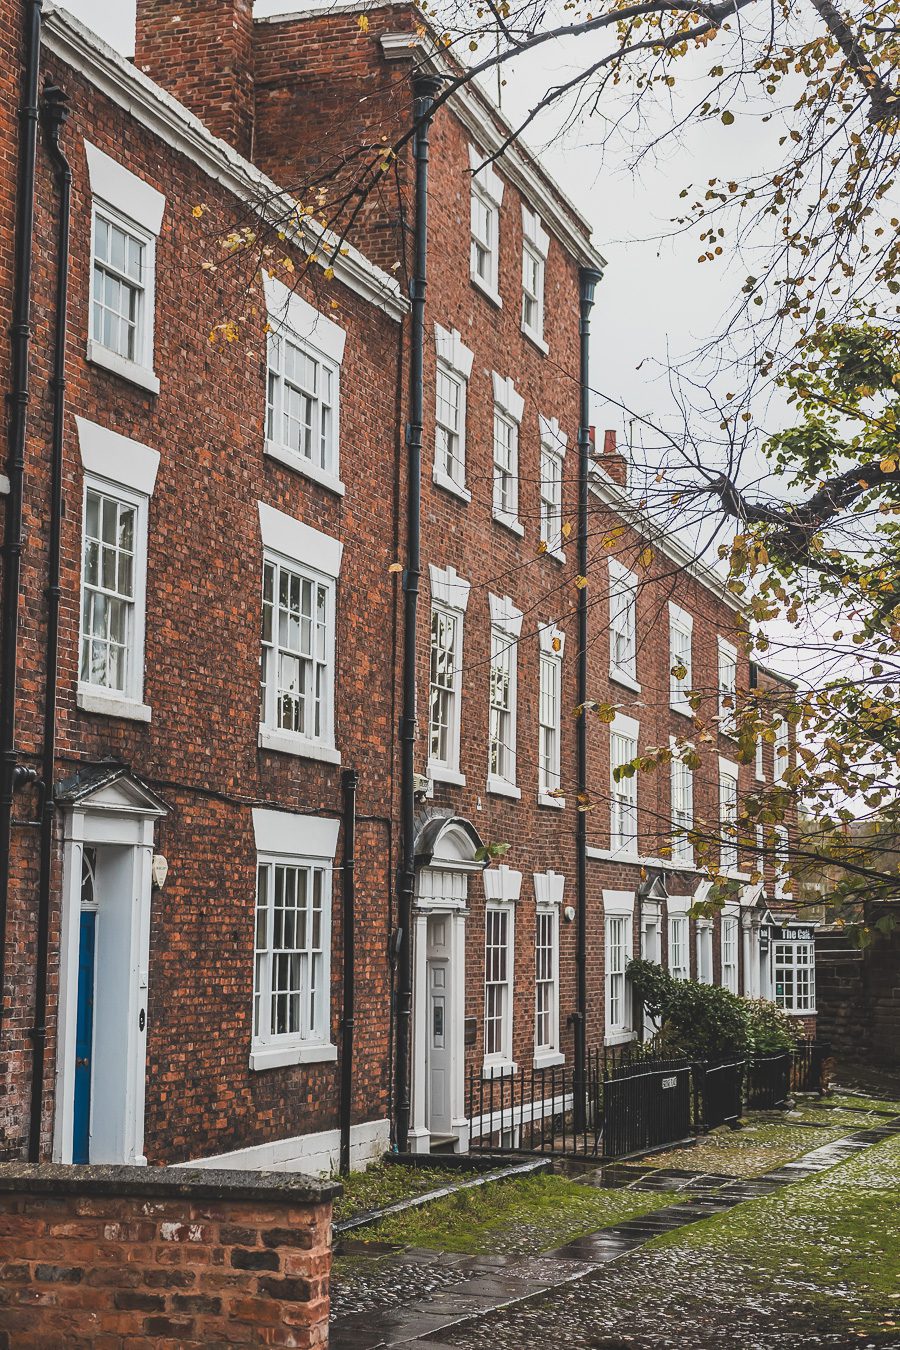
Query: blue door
(84,1036)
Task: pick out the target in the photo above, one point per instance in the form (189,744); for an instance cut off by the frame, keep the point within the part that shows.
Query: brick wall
(102,1257)
(858,994)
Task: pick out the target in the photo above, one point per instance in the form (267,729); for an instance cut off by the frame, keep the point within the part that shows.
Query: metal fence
(627,1103)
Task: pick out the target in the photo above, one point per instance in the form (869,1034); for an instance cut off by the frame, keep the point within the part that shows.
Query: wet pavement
(415,1298)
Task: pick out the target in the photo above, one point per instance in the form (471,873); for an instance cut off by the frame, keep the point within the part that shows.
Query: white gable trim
(549,887)
(448,587)
(485,176)
(117,458)
(294,836)
(507,398)
(502,884)
(618,902)
(122,189)
(505,615)
(453,351)
(298,542)
(551,436)
(534,232)
(286,307)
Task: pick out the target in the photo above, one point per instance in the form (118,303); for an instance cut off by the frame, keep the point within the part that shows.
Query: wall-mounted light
(569,913)
(159,870)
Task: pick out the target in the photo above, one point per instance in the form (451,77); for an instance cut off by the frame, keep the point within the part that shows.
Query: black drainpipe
(425,88)
(588,278)
(349,782)
(20,335)
(54,114)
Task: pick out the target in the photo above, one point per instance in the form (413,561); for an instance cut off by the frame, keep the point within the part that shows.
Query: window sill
(439,774)
(797,1012)
(509,522)
(622,677)
(288,743)
(4,485)
(536,339)
(499,1068)
(501,788)
(548,1059)
(94,700)
(305,467)
(556,554)
(681,709)
(279,1056)
(487,291)
(544,799)
(621,1036)
(120,365)
(443,480)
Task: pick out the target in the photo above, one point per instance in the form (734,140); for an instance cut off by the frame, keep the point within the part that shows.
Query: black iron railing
(631,1103)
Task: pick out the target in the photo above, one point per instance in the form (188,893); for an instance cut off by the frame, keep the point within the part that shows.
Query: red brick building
(230,631)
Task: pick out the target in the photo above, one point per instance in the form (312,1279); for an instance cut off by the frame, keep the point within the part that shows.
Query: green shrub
(697,1021)
(770,1028)
(703,1021)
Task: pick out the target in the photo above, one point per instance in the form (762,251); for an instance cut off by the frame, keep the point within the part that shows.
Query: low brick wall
(138,1257)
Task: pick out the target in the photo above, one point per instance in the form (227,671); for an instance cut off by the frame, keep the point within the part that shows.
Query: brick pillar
(202,52)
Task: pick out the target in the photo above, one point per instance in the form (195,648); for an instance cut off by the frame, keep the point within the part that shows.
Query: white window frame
(679,940)
(552,462)
(453,361)
(449,595)
(551,647)
(292,320)
(727,685)
(129,203)
(535,247)
(286,839)
(506,627)
(502,890)
(729,774)
(618,911)
(730,925)
(681,628)
(704,943)
(623,587)
(508,408)
(487,191)
(782,852)
(785,958)
(624,735)
(679,937)
(549,888)
(681,782)
(781,751)
(126,470)
(759,766)
(314,556)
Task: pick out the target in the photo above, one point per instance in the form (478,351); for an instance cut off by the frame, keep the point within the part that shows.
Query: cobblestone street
(802,1256)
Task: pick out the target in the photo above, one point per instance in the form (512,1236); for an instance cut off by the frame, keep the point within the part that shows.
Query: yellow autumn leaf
(556,644)
(197,212)
(396,567)
(645,557)
(329,273)
(580,583)
(362,23)
(566,529)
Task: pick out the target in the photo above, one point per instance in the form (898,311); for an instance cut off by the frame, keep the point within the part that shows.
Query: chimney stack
(611,461)
(201,51)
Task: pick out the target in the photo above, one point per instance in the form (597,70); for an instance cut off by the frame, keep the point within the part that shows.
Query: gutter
(425,88)
(18,402)
(349,783)
(54,114)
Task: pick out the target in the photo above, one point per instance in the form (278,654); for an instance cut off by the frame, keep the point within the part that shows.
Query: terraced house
(294,619)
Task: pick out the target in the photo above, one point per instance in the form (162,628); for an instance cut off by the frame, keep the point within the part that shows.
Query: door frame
(121,813)
(446,855)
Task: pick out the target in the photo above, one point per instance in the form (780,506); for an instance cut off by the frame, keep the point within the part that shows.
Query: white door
(439,1028)
(650,951)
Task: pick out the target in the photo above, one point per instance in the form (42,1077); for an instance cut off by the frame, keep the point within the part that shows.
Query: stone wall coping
(164,1183)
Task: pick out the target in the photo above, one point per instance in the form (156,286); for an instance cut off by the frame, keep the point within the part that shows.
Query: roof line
(162,114)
